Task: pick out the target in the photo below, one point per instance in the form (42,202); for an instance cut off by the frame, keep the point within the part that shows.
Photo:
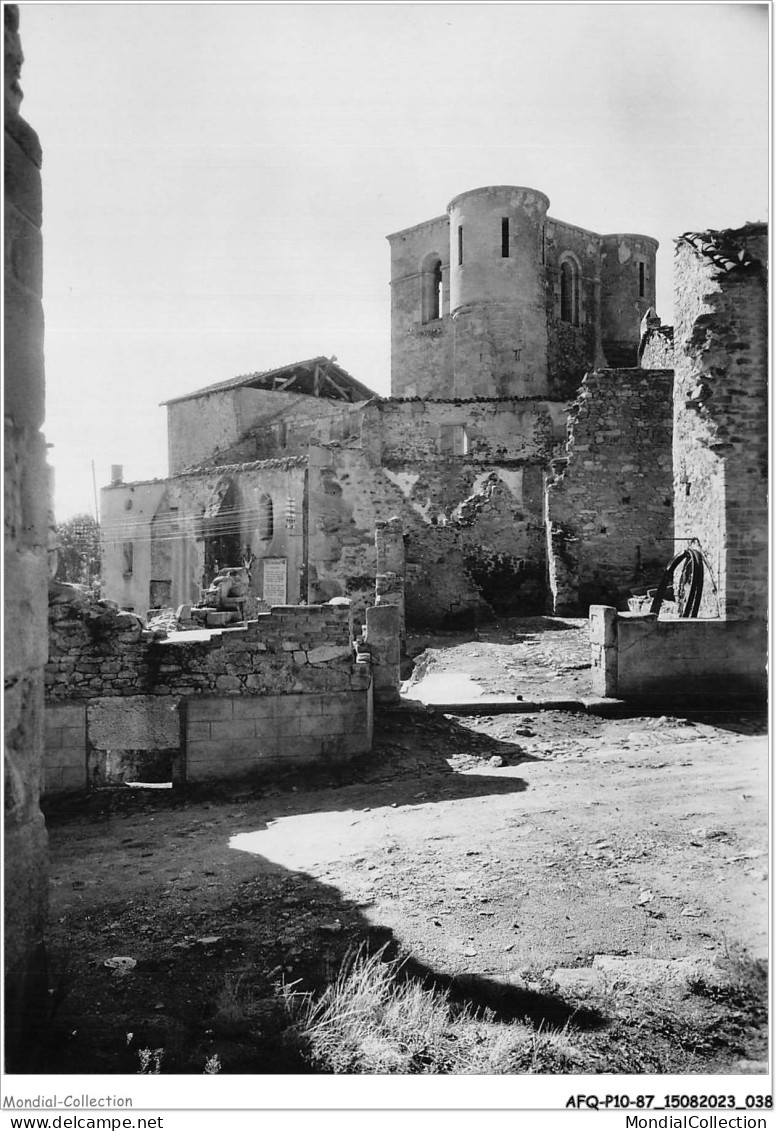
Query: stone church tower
(498,299)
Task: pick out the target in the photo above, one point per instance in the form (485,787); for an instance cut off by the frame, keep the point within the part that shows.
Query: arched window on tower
(431,288)
(569,292)
(266,518)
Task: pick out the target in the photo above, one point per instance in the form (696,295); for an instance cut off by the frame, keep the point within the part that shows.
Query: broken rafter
(340,390)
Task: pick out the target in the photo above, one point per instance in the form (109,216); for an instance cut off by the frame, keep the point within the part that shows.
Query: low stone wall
(123,705)
(684,661)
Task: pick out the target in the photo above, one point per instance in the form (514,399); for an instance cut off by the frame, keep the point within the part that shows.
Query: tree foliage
(78,551)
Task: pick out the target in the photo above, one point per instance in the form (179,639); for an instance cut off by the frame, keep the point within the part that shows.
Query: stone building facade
(496,298)
(527,448)
(498,311)
(466,479)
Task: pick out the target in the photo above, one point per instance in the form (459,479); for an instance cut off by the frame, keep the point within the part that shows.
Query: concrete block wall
(691,661)
(610,500)
(64,766)
(232,737)
(26,569)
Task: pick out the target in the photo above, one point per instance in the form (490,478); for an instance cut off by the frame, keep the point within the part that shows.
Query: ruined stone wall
(721,413)
(110,653)
(127,512)
(187,523)
(244,425)
(239,528)
(657,349)
(513,428)
(609,505)
(473,522)
(122,703)
(199,426)
(26,567)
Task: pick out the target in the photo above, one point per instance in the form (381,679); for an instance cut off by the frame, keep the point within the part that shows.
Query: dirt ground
(491,850)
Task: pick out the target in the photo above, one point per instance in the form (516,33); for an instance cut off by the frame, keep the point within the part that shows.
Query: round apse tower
(627,292)
(497,292)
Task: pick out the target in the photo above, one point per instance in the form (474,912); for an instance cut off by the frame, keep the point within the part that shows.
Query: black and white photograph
(386,565)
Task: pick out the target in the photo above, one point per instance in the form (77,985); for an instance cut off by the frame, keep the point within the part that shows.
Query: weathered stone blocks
(133,723)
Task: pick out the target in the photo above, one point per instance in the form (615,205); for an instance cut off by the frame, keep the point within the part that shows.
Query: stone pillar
(26,569)
(603,650)
(389,579)
(382,638)
(721,417)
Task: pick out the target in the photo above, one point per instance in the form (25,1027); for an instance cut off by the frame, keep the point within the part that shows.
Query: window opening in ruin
(453,440)
(127,557)
(641,279)
(460,245)
(505,237)
(569,292)
(431,288)
(266,518)
(159,594)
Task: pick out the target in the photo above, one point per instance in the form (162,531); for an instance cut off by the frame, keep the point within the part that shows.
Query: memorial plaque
(274,591)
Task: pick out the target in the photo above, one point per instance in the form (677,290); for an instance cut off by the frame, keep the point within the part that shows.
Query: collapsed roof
(316,377)
(727,248)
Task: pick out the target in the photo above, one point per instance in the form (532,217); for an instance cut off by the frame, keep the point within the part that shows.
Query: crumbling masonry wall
(472,518)
(121,705)
(657,348)
(609,505)
(242,425)
(26,565)
(721,413)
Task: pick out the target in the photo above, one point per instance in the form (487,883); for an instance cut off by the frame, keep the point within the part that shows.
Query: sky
(219,179)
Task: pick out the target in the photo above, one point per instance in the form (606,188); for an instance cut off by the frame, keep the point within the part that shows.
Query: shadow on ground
(409,743)
(210,983)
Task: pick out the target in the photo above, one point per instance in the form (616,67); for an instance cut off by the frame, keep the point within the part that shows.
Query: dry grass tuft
(371,1021)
